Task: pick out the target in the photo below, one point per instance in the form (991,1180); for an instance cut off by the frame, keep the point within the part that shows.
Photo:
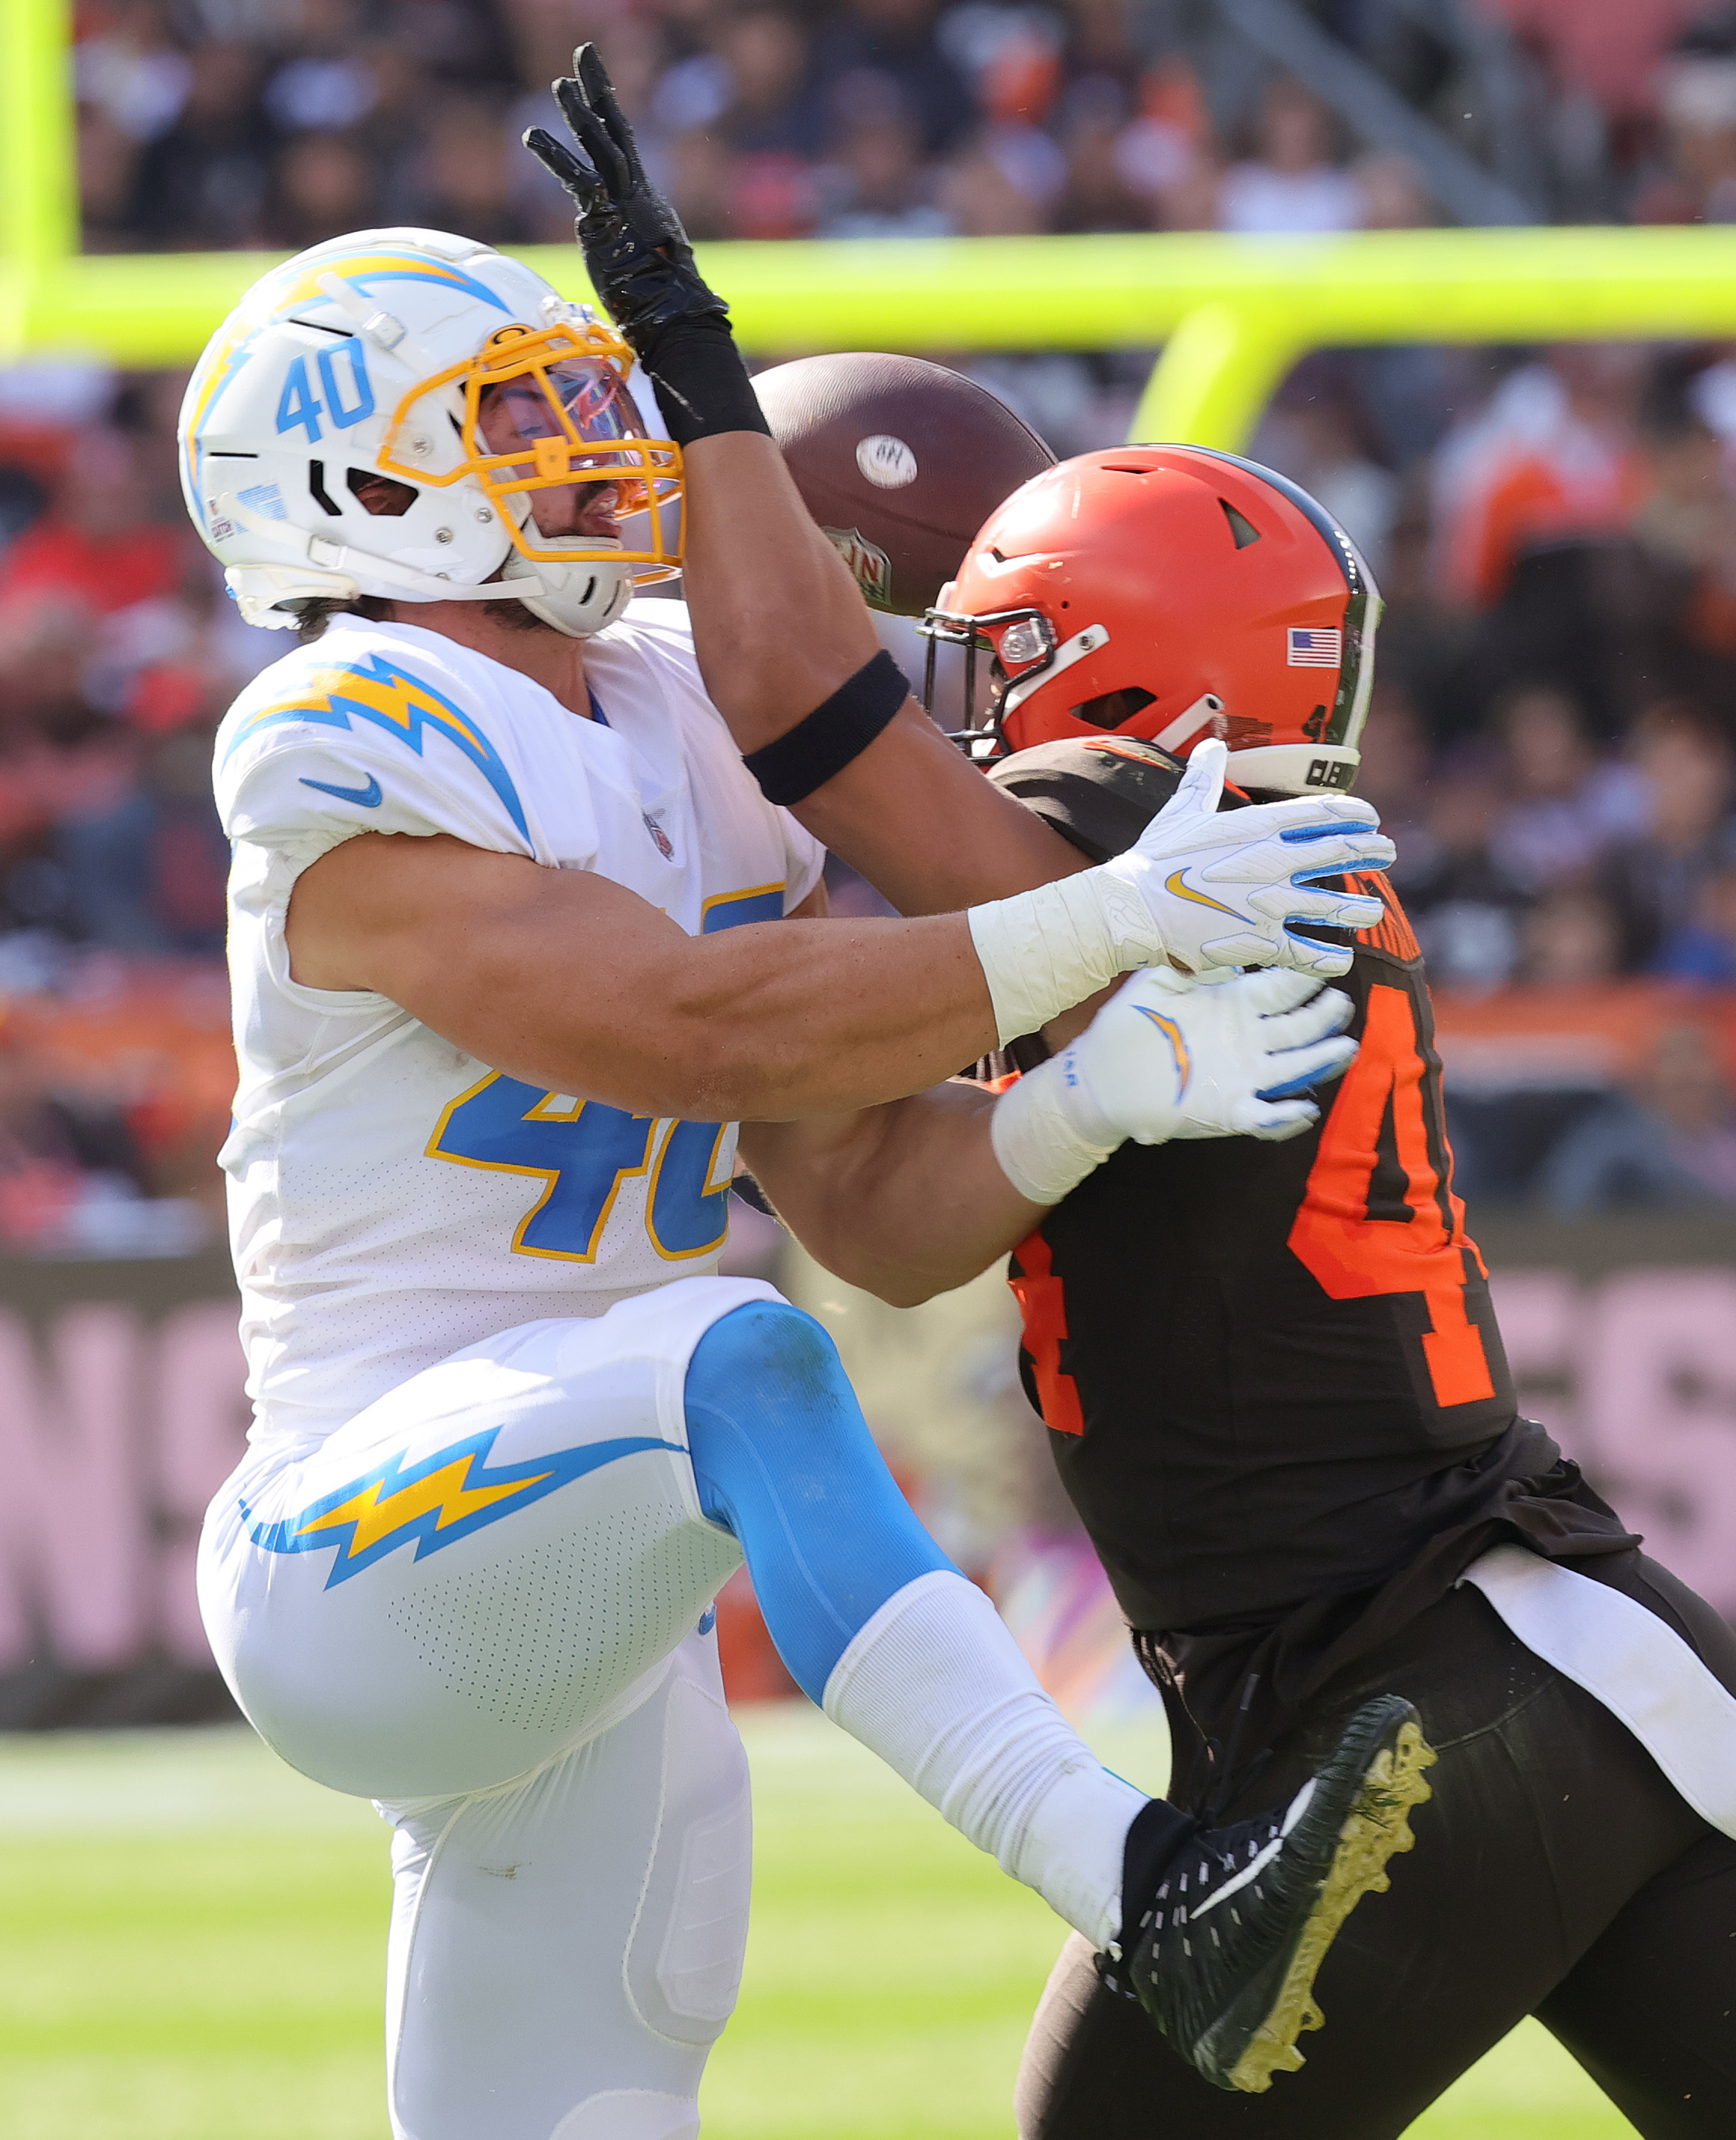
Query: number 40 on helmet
(410,415)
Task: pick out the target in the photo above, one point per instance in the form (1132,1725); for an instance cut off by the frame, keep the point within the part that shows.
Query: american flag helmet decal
(1313,646)
(1356,661)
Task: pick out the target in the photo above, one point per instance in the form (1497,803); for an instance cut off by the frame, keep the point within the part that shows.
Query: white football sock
(937,1686)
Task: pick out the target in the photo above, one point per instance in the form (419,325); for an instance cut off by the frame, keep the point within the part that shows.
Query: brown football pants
(1556,1872)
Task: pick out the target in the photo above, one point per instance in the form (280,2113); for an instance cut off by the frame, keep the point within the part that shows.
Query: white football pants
(479,1604)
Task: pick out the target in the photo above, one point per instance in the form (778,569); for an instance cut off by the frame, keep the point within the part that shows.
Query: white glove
(1199,889)
(1168,1057)
(1223,887)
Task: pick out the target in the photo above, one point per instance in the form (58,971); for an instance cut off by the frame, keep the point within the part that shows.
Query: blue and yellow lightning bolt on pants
(479,1603)
(484,1604)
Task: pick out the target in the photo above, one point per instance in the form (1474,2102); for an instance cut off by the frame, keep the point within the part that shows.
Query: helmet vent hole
(1113,709)
(317,489)
(379,494)
(996,555)
(1242,528)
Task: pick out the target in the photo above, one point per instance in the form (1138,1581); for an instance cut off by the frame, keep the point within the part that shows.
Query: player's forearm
(925,828)
(905,1201)
(571,982)
(729,1028)
(778,1022)
(778,623)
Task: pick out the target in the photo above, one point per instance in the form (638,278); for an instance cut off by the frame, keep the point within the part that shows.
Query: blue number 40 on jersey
(583,1151)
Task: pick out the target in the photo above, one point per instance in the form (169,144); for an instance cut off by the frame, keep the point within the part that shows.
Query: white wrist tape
(1047,1132)
(1043,951)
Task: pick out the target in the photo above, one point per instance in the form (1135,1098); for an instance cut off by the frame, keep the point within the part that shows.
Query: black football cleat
(1224,1956)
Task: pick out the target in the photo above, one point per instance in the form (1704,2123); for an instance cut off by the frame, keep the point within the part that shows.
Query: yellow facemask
(558,402)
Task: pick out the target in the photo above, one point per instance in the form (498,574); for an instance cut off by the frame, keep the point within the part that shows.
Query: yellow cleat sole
(1377,1827)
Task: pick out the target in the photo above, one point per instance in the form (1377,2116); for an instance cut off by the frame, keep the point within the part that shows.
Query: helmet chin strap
(1203,712)
(578,598)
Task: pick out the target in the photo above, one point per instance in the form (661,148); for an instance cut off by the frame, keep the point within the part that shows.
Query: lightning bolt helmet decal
(466,380)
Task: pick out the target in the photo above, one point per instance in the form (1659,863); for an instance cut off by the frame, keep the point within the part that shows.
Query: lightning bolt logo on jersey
(448,1496)
(393,698)
(395,1195)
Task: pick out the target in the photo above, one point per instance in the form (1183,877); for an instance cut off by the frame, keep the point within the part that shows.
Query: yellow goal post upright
(1231,314)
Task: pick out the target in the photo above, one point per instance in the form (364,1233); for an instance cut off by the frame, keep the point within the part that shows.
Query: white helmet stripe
(1205,708)
(1070,651)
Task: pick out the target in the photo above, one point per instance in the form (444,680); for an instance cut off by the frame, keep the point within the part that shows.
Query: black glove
(641,265)
(640,261)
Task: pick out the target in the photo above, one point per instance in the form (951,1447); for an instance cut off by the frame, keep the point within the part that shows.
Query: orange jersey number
(1379,1215)
(1043,1304)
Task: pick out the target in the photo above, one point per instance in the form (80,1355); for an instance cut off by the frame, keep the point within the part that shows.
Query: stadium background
(1333,234)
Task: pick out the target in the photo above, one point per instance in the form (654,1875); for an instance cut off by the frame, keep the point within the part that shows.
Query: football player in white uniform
(503,989)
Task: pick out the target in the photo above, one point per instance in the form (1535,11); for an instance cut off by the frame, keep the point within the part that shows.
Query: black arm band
(702,383)
(839,728)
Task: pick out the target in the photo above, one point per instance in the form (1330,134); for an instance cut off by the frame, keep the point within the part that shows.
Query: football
(900,461)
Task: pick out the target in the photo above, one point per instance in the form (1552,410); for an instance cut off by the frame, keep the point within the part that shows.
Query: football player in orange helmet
(1276,1394)
(1171,593)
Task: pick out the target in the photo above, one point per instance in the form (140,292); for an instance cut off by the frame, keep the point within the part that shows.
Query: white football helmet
(370,356)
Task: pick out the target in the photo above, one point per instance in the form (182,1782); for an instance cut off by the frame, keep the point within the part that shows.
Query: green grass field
(193,1939)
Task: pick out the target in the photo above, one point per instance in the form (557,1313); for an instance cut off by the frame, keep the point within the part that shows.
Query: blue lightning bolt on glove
(1166,1058)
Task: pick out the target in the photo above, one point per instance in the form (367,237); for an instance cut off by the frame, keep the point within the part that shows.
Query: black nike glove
(637,253)
(641,265)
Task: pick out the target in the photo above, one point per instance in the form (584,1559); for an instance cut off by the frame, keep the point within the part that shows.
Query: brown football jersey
(1270,1370)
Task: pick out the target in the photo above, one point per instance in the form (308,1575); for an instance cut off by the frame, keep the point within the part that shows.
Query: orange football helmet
(1173,593)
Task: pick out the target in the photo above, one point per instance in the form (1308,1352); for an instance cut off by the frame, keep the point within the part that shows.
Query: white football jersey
(392,1198)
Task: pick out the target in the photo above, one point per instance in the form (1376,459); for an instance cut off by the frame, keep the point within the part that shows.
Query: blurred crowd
(1555,706)
(225,122)
(279,122)
(1553,737)
(119,652)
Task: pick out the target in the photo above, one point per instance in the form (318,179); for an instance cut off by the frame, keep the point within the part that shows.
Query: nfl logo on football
(867,560)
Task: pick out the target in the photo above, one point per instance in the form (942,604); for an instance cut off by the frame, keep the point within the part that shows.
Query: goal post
(1231,314)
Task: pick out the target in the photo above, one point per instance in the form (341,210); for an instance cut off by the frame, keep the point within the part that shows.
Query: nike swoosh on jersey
(370,798)
(1174,883)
